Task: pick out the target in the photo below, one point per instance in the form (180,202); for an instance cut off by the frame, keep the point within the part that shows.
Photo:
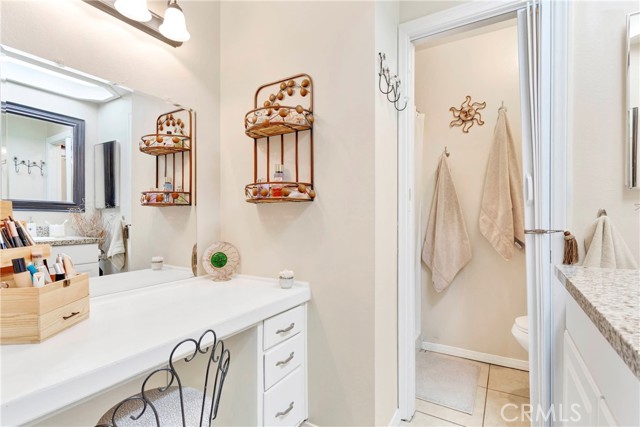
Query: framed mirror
(106,159)
(45,171)
(633,99)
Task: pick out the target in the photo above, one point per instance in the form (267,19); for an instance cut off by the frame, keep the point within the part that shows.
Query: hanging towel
(605,247)
(116,252)
(446,248)
(502,210)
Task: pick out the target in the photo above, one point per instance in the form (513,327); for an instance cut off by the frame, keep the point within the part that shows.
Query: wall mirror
(89,168)
(106,157)
(633,99)
(43,168)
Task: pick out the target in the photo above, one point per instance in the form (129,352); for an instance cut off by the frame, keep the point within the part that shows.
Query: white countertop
(127,334)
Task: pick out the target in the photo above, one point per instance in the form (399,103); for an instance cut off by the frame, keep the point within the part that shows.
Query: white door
(539,37)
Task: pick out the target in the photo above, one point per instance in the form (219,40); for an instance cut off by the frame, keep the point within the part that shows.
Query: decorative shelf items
(286,108)
(172,146)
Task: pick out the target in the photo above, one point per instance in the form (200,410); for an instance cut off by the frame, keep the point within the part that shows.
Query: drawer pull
(71,315)
(285,412)
(287,360)
(287,329)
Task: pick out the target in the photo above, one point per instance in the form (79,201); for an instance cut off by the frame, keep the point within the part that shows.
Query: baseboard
(395,420)
(476,355)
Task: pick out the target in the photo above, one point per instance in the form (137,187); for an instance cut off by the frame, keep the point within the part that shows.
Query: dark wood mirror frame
(78,158)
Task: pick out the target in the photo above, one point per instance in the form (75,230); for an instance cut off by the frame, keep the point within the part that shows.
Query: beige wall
(477,310)
(598,119)
(386,219)
(329,242)
(84,38)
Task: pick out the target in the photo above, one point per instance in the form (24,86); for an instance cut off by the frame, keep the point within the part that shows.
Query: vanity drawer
(284,403)
(283,326)
(282,359)
(63,317)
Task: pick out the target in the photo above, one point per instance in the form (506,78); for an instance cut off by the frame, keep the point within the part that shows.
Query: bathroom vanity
(83,251)
(76,376)
(601,340)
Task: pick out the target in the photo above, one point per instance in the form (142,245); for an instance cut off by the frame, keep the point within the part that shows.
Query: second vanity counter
(128,333)
(611,300)
(66,240)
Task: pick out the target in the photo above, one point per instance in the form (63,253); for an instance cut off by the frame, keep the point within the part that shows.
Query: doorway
(540,42)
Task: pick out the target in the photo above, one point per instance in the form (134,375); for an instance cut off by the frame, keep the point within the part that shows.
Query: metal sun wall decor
(393,83)
(467,114)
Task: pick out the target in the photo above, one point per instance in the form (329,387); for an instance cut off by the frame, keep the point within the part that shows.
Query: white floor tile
(424,420)
(505,410)
(507,380)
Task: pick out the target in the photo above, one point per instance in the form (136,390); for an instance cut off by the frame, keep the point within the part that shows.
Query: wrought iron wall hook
(36,165)
(17,164)
(393,83)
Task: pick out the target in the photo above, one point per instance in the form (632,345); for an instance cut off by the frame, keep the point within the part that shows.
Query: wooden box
(31,315)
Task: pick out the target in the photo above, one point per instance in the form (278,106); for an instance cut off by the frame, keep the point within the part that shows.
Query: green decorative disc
(219,260)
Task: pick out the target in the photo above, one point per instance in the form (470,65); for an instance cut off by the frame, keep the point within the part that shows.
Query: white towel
(116,252)
(502,210)
(446,247)
(605,247)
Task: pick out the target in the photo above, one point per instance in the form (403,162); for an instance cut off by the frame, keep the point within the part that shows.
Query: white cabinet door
(605,417)
(581,396)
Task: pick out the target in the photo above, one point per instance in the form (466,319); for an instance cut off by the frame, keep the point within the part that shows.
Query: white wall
(413,9)
(386,219)
(169,232)
(26,141)
(329,242)
(82,37)
(598,119)
(477,310)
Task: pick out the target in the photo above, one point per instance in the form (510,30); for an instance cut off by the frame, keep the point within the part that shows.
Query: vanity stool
(174,404)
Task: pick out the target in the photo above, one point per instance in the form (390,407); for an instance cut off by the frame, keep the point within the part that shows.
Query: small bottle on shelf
(278,176)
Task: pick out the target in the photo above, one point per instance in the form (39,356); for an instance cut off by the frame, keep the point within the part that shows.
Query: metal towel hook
(602,212)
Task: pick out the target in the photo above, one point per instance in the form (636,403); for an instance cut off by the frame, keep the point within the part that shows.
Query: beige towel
(117,251)
(502,210)
(605,246)
(446,247)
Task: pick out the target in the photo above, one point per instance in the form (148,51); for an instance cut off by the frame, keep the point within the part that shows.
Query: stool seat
(167,405)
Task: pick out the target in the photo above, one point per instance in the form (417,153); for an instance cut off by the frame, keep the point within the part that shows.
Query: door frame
(553,128)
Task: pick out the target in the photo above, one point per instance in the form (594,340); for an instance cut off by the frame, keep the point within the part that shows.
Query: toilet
(520,330)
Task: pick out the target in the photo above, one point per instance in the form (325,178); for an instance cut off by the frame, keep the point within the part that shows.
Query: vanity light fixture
(134,9)
(174,26)
(151,27)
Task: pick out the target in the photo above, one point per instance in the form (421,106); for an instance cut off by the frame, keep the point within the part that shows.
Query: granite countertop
(611,299)
(66,240)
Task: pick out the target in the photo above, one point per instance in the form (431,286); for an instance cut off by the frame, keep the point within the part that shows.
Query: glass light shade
(134,9)
(174,26)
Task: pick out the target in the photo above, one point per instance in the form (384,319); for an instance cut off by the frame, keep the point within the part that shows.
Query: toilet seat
(522,323)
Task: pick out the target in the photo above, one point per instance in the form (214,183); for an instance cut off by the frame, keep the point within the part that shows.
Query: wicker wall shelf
(165,198)
(272,120)
(172,144)
(151,146)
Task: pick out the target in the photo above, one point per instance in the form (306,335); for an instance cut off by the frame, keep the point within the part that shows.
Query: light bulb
(134,9)
(174,26)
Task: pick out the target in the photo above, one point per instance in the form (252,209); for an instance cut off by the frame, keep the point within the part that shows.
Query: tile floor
(497,387)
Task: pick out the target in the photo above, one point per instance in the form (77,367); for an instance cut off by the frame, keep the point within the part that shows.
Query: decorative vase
(286,283)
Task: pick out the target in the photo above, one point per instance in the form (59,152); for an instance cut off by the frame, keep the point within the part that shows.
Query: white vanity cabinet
(85,257)
(599,389)
(283,377)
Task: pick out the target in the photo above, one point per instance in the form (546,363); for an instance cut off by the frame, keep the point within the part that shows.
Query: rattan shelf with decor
(280,121)
(173,146)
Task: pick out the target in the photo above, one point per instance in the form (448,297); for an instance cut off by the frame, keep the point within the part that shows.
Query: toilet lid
(522,323)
